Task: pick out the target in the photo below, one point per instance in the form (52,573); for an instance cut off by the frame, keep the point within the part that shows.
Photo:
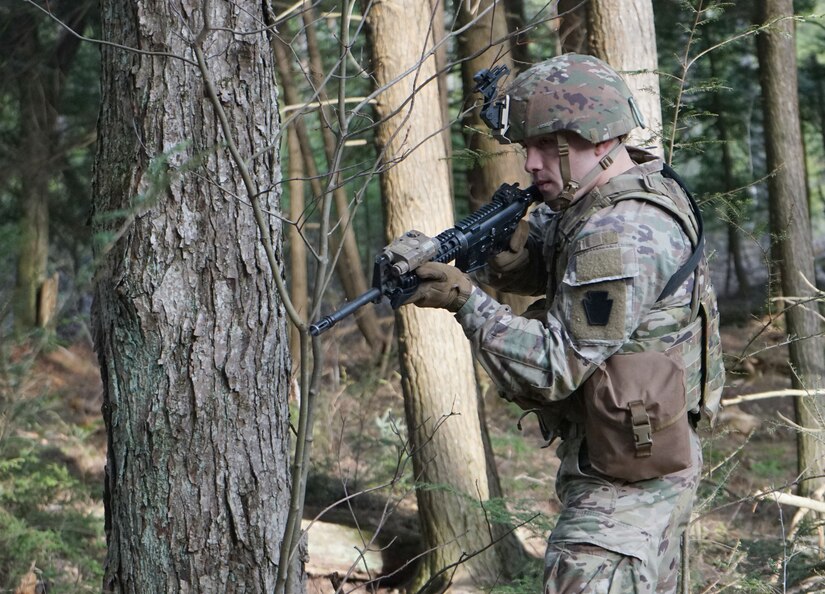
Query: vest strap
(688,267)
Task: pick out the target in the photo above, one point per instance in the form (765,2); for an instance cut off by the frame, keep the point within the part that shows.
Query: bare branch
(133,50)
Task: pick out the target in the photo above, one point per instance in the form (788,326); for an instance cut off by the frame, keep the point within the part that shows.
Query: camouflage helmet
(572,92)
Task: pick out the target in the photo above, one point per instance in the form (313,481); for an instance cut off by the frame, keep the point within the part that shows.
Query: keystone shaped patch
(597,307)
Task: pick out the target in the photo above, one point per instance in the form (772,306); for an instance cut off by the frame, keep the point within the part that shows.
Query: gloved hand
(517,255)
(441,286)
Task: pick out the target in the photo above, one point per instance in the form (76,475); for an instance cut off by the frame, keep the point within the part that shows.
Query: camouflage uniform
(602,264)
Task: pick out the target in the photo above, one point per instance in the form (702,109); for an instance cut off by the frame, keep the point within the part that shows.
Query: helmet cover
(572,92)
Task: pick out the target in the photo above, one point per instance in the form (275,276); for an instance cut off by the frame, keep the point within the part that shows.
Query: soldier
(621,357)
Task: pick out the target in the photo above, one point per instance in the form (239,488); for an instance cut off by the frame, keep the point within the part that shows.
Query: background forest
(272,154)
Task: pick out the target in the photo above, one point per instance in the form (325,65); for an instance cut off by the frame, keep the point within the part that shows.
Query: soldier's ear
(602,148)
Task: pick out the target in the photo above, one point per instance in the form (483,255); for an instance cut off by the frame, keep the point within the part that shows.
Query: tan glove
(442,286)
(517,255)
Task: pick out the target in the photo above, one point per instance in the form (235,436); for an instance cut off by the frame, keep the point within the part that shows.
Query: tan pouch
(636,422)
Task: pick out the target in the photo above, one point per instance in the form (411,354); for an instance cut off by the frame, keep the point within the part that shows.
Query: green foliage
(769,468)
(513,442)
(46,519)
(48,515)
(517,512)
(774,561)
(531,579)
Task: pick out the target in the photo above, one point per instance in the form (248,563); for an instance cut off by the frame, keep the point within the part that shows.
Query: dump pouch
(636,422)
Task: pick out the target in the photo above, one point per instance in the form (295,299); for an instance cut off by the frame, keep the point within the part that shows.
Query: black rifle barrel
(329,321)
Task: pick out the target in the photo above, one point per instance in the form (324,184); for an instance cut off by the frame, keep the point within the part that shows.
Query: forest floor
(739,542)
(51,478)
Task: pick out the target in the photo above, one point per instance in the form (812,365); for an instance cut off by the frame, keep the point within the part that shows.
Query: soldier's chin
(548,192)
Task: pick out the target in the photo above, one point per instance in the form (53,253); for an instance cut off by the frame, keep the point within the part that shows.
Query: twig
(771,394)
(794,500)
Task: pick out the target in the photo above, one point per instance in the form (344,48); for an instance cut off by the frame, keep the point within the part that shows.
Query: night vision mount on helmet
(494,112)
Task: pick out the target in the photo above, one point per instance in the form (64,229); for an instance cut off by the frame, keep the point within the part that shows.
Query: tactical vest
(698,335)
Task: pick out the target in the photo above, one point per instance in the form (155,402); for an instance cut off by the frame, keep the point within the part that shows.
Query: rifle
(470,243)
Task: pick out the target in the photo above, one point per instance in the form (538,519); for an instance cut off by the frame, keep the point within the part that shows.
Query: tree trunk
(38,80)
(443,72)
(189,329)
(791,245)
(495,163)
(572,28)
(622,33)
(350,268)
(436,364)
(299,283)
(520,43)
(37,116)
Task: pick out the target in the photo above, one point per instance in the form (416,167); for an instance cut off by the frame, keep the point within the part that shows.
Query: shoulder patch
(596,312)
(595,291)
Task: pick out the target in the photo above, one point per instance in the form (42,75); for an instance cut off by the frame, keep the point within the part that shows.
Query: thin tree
(622,33)
(485,43)
(37,67)
(572,26)
(299,283)
(736,254)
(436,364)
(791,241)
(189,328)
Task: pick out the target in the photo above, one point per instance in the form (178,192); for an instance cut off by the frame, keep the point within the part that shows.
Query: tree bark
(436,364)
(572,31)
(791,241)
(520,43)
(622,33)
(189,329)
(495,163)
(443,72)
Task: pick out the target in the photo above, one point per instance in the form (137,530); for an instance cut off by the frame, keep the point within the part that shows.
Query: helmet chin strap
(572,186)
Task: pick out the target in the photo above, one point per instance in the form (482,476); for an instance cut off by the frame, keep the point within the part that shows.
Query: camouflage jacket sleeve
(617,266)
(530,279)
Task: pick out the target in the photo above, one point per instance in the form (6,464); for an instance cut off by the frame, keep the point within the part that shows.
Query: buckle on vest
(642,429)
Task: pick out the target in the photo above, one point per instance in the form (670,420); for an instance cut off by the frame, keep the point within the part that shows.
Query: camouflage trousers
(615,537)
